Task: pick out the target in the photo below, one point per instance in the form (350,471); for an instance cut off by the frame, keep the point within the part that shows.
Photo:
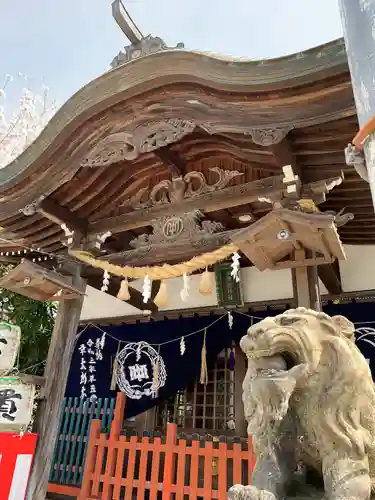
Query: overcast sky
(66,43)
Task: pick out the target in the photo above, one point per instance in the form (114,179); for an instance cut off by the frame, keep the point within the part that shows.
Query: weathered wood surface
(306,283)
(56,375)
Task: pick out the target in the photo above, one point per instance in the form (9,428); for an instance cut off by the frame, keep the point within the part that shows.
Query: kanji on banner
(16,457)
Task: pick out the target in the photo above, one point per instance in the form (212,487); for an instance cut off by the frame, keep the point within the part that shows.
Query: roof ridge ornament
(144,47)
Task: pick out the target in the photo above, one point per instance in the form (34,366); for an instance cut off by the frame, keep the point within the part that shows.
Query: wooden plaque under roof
(278,234)
(35,282)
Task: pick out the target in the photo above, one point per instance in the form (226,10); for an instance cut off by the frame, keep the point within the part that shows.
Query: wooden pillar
(56,374)
(239,375)
(306,284)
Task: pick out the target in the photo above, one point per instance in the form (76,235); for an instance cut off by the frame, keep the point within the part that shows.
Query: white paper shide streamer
(146,289)
(106,278)
(235,273)
(182,346)
(230,320)
(141,370)
(184,294)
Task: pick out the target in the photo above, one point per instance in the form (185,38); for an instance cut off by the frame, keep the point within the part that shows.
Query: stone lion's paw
(239,492)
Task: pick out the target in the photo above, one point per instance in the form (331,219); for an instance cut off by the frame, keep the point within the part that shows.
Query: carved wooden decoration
(172,199)
(278,234)
(180,188)
(177,236)
(129,144)
(37,283)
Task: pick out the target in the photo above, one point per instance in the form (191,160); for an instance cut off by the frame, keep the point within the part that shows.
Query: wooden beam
(32,379)
(209,202)
(283,154)
(329,275)
(136,299)
(172,160)
(56,374)
(61,215)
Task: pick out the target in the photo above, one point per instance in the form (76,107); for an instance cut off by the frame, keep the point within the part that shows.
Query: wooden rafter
(172,160)
(329,275)
(61,215)
(283,154)
(211,202)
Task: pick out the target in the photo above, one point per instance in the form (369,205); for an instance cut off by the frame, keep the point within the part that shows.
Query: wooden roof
(175,112)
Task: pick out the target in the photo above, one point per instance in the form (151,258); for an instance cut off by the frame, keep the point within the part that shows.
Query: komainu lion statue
(310,405)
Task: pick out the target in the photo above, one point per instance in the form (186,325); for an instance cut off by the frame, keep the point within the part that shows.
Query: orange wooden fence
(121,467)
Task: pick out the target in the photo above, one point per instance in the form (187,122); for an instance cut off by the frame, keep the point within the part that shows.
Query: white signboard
(10,339)
(16,404)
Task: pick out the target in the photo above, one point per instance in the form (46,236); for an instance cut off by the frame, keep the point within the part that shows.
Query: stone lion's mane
(336,404)
(339,408)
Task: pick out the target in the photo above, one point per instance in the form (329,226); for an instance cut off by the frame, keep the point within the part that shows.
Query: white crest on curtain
(144,377)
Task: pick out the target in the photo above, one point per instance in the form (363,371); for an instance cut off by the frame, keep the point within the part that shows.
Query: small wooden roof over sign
(278,234)
(35,282)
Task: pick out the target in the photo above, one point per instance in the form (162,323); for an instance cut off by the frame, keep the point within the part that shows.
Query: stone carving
(356,159)
(146,46)
(129,145)
(175,191)
(269,136)
(185,228)
(310,405)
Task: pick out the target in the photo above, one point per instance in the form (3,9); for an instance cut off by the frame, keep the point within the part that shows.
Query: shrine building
(172,202)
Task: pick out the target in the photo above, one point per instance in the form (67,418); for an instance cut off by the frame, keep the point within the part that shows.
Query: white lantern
(10,339)
(16,404)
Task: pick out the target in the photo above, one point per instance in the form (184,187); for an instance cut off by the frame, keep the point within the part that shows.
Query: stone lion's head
(315,354)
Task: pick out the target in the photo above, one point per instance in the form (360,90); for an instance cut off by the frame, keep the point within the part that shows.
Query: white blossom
(18,129)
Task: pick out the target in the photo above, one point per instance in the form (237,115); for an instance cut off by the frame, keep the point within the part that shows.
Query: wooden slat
(222,471)
(237,464)
(72,462)
(91,460)
(168,462)
(194,469)
(131,468)
(143,469)
(68,439)
(156,449)
(62,440)
(181,469)
(101,445)
(121,447)
(207,481)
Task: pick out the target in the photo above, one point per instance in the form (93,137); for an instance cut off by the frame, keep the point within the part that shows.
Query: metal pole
(358,21)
